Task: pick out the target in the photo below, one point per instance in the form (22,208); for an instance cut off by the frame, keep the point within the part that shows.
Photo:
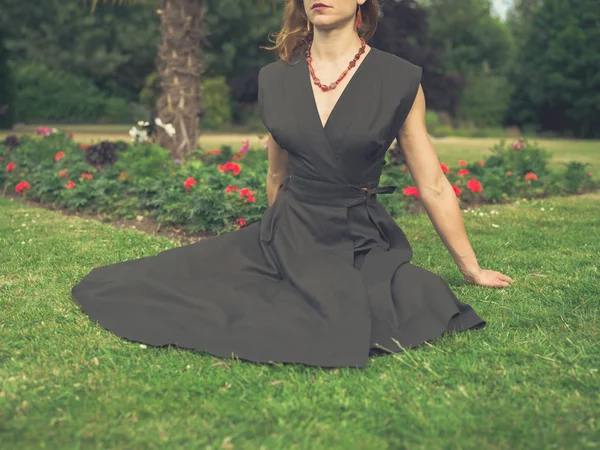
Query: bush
(7,90)
(217,187)
(44,94)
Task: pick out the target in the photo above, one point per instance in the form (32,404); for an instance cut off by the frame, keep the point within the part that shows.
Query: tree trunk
(179,68)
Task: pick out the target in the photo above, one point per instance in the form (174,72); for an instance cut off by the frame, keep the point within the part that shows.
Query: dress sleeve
(414,81)
(261,99)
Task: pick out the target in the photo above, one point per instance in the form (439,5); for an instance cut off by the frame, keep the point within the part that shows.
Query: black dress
(325,277)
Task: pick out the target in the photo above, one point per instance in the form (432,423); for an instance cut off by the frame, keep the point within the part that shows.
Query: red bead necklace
(333,85)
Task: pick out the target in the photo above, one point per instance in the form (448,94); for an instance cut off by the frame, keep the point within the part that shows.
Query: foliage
(7,89)
(114,48)
(52,94)
(217,187)
(215,102)
(558,62)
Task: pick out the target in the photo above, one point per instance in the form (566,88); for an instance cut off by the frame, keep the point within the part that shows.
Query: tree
(7,107)
(557,69)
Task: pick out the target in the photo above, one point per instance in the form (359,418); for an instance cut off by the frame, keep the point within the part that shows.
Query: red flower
(463,172)
(70,185)
(11,166)
(214,151)
(462,162)
(518,145)
(63,173)
(474,185)
(457,190)
(189,182)
(86,175)
(411,191)
(241,222)
(84,146)
(59,155)
(22,185)
(230,166)
(445,168)
(245,192)
(531,176)
(231,188)
(589,174)
(480,162)
(508,173)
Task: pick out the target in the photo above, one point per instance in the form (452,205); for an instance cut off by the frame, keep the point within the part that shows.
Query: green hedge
(7,88)
(45,94)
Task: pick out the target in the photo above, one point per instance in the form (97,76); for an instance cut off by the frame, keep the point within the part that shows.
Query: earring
(358,19)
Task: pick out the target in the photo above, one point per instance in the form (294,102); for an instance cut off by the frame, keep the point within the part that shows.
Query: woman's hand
(488,278)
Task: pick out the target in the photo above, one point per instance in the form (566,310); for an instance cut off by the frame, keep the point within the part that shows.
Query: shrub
(45,94)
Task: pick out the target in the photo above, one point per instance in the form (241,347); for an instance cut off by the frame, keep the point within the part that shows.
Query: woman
(325,277)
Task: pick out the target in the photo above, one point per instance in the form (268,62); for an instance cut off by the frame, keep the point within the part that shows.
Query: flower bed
(219,190)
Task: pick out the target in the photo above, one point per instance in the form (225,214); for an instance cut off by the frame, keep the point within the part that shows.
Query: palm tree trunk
(179,67)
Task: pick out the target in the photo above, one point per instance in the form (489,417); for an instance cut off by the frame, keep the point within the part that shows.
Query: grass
(529,380)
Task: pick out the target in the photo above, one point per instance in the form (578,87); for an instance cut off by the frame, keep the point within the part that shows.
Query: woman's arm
(439,198)
(278,168)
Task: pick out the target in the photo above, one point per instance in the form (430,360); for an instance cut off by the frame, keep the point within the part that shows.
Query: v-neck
(308,79)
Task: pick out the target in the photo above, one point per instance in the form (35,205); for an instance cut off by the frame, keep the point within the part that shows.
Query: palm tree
(179,67)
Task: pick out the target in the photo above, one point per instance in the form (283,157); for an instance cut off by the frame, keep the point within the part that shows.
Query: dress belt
(332,194)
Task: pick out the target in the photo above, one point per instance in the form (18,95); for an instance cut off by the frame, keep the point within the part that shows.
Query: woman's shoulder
(393,61)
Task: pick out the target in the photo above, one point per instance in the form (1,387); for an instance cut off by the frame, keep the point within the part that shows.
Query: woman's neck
(334,47)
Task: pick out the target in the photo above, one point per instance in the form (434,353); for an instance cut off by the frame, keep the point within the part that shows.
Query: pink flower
(63,173)
(457,190)
(445,168)
(462,172)
(86,175)
(518,145)
(245,146)
(59,155)
(480,162)
(70,185)
(11,166)
(44,131)
(462,162)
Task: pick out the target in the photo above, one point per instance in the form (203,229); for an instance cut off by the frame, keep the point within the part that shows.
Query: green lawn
(529,380)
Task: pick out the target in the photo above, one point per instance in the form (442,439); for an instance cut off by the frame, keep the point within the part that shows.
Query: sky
(501,6)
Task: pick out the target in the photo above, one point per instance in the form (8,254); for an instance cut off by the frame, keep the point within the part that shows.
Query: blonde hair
(294,35)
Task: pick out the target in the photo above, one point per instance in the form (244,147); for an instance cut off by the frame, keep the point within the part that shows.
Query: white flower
(133,132)
(143,346)
(140,123)
(495,226)
(481,214)
(170,130)
(543,209)
(159,122)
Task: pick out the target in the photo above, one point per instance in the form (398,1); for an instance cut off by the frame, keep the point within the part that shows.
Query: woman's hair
(294,36)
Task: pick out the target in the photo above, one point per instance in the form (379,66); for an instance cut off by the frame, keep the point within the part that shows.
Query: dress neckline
(346,92)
